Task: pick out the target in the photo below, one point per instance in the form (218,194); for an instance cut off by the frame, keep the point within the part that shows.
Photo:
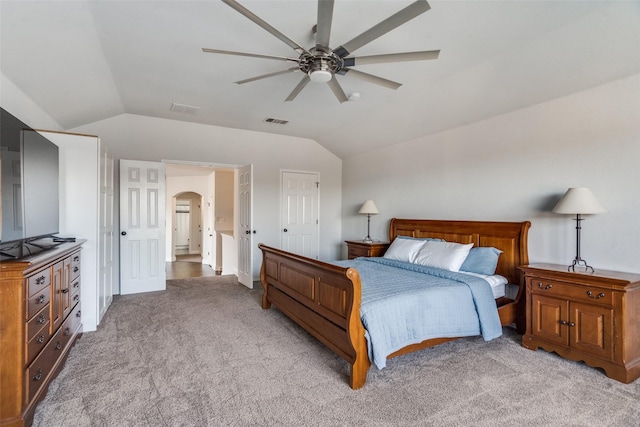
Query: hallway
(187,266)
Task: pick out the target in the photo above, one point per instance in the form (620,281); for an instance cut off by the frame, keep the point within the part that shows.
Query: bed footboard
(322,298)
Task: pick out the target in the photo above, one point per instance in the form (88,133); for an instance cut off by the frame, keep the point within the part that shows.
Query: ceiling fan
(321,63)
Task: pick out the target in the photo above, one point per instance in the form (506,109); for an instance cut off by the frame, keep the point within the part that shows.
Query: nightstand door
(593,329)
(549,317)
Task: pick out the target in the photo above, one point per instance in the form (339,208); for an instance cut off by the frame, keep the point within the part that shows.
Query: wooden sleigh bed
(325,299)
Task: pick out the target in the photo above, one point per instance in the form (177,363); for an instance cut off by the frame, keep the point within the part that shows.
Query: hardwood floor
(188,266)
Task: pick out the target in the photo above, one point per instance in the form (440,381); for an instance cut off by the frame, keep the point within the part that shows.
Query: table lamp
(368,208)
(578,201)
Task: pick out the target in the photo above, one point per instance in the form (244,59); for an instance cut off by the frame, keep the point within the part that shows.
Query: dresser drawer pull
(58,345)
(40,280)
(76,298)
(78,313)
(38,375)
(65,291)
(76,258)
(76,284)
(40,299)
(40,339)
(41,319)
(590,295)
(549,286)
(67,331)
(75,269)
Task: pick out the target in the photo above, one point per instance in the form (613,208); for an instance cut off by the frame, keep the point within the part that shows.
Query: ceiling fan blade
(251,55)
(371,78)
(392,57)
(305,80)
(264,76)
(256,19)
(337,90)
(408,13)
(325,16)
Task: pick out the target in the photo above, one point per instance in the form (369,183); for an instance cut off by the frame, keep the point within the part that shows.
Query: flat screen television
(29,185)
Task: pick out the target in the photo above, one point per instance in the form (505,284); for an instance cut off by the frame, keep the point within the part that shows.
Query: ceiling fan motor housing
(320,65)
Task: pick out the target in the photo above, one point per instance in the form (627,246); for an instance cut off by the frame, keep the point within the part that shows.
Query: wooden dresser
(593,317)
(357,248)
(39,323)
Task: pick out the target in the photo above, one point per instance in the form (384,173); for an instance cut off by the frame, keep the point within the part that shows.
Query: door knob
(285,230)
(124,233)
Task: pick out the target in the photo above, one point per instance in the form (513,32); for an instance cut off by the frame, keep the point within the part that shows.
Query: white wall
(515,167)
(144,138)
(21,106)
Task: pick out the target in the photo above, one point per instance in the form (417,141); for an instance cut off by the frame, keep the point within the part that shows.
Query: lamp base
(580,263)
(367,240)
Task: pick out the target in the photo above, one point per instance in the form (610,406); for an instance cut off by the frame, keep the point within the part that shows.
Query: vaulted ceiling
(84,61)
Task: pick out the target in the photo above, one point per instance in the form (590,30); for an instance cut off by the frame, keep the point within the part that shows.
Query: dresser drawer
(38,281)
(75,286)
(75,266)
(39,321)
(70,326)
(37,342)
(42,366)
(37,301)
(590,294)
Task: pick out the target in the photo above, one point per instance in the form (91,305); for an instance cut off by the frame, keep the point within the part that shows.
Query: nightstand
(357,248)
(593,317)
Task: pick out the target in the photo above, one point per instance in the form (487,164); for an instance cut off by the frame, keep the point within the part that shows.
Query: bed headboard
(509,237)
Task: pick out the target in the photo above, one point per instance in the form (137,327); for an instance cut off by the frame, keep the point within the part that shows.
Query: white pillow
(444,255)
(404,249)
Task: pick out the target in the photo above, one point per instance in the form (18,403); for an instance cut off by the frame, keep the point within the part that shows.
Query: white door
(245,226)
(106,236)
(142,227)
(300,213)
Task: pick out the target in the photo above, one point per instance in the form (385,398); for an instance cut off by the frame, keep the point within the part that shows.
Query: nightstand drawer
(358,252)
(357,249)
(577,292)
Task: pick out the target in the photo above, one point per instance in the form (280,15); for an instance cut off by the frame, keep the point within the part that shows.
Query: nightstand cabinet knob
(562,322)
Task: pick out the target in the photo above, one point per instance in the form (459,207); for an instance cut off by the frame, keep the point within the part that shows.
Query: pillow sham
(444,255)
(481,260)
(403,249)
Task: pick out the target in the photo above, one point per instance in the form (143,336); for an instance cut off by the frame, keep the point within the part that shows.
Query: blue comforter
(404,303)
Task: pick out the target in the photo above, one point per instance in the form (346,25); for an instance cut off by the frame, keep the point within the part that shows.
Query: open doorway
(200,220)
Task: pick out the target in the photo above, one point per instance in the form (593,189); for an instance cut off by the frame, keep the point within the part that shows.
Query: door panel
(245,226)
(593,329)
(142,223)
(546,314)
(300,213)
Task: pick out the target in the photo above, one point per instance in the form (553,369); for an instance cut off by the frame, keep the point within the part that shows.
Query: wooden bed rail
(322,298)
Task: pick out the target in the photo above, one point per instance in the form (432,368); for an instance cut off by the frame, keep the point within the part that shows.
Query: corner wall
(515,167)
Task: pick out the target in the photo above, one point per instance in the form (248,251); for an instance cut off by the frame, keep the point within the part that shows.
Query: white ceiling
(84,61)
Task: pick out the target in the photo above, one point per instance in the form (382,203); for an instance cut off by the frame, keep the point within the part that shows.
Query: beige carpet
(203,353)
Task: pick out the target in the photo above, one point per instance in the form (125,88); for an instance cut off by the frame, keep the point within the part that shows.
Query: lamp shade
(369,208)
(578,200)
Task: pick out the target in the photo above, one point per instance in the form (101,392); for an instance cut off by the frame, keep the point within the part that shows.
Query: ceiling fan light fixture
(320,76)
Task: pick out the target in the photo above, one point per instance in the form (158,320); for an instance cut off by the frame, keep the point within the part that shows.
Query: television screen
(28,182)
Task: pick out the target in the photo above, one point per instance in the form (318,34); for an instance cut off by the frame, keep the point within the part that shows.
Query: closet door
(106,234)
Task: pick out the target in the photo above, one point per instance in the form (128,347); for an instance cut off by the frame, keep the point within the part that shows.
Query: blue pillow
(481,260)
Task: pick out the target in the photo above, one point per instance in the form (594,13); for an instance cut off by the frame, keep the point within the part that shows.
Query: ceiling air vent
(183,108)
(276,121)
